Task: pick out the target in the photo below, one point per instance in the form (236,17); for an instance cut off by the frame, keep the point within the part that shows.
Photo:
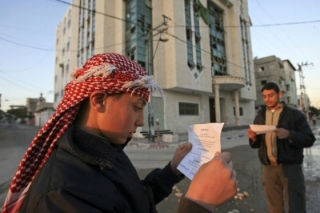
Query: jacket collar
(91,148)
(264,107)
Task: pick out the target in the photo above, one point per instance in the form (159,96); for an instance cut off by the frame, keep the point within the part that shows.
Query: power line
(24,82)
(37,32)
(261,25)
(18,85)
(205,51)
(25,45)
(276,23)
(52,50)
(104,14)
(114,17)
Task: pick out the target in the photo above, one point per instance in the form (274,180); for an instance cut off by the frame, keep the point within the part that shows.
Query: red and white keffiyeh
(109,72)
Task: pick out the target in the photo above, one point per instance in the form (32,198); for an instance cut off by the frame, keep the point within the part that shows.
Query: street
(15,140)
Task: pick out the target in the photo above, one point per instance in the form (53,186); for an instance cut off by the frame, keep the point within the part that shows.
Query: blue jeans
(284,188)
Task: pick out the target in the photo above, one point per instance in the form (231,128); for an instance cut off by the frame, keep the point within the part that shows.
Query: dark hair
(269,86)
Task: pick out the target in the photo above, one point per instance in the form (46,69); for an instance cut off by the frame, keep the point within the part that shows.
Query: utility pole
(303,97)
(150,56)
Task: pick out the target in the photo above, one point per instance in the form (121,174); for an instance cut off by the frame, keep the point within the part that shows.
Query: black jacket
(289,151)
(86,173)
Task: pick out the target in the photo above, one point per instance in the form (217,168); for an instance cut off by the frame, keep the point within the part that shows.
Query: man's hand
(252,135)
(178,155)
(214,183)
(282,133)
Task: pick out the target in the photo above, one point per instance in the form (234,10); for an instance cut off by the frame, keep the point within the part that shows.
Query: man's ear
(98,100)
(280,94)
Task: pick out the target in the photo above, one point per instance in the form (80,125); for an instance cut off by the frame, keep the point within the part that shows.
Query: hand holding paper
(260,129)
(205,139)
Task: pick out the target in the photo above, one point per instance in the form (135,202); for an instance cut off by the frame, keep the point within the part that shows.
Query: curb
(153,145)
(146,145)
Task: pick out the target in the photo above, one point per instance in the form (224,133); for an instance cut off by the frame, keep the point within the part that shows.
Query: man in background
(281,152)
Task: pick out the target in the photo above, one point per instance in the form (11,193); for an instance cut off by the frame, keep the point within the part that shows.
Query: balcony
(229,83)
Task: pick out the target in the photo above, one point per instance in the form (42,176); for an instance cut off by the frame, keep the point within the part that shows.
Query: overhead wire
(18,85)
(12,77)
(279,38)
(124,20)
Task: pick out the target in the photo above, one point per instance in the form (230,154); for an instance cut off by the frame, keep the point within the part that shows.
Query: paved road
(15,140)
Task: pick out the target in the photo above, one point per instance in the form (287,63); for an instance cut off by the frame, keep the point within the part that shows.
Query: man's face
(121,117)
(271,98)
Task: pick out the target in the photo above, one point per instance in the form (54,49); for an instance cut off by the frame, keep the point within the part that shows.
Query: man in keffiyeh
(76,162)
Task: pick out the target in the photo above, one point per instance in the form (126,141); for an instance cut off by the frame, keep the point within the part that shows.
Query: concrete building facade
(44,111)
(39,111)
(199,51)
(291,84)
(281,72)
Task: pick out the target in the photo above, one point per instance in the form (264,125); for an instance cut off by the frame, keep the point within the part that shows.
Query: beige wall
(178,123)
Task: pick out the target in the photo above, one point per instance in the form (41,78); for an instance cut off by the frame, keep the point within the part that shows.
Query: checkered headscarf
(108,72)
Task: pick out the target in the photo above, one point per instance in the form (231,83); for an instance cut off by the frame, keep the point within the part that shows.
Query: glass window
(189,34)
(240,111)
(138,22)
(188,109)
(245,50)
(218,57)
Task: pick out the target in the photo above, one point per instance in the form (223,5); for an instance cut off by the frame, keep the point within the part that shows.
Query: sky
(288,29)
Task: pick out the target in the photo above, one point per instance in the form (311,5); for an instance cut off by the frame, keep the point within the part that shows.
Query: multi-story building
(281,72)
(38,110)
(291,84)
(199,51)
(66,52)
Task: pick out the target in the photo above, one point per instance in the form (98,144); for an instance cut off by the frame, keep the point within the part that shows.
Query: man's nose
(140,119)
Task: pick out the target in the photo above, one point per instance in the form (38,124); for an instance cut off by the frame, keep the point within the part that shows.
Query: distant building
(31,104)
(291,84)
(39,111)
(273,69)
(43,113)
(204,66)
(2,116)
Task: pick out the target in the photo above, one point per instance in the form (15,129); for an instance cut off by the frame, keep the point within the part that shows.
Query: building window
(263,82)
(138,24)
(196,17)
(86,47)
(68,46)
(288,87)
(217,44)
(188,109)
(261,69)
(189,38)
(245,49)
(240,111)
(88,52)
(56,96)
